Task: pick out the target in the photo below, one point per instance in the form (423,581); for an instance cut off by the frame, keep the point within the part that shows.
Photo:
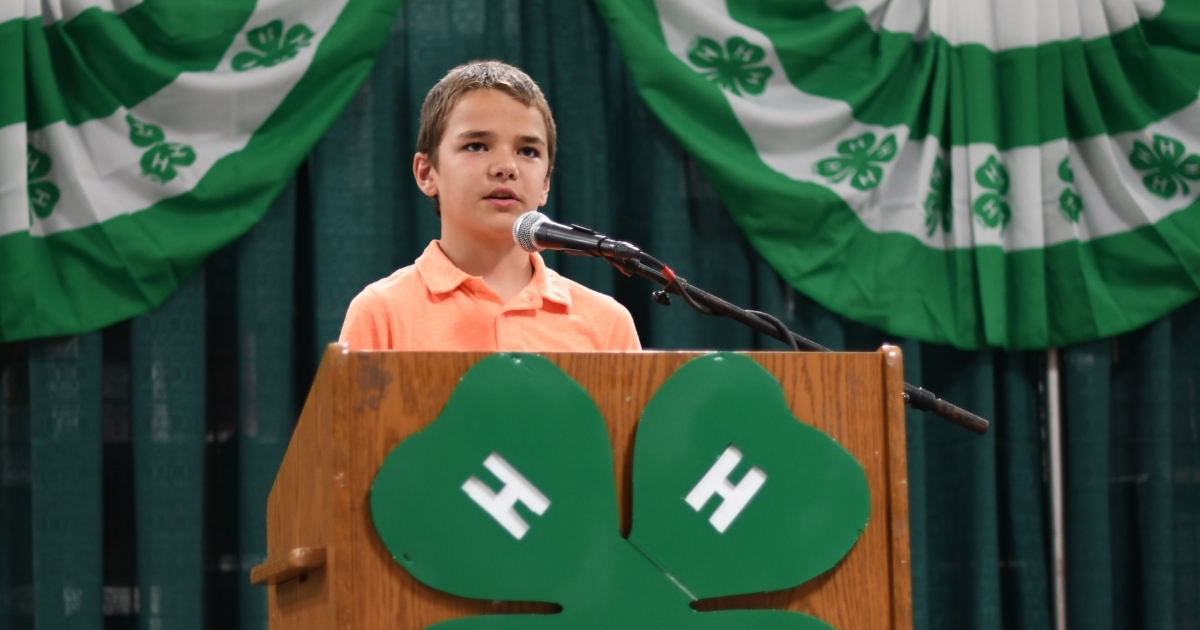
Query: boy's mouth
(502,195)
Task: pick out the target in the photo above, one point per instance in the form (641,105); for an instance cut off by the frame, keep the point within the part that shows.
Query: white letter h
(716,481)
(500,505)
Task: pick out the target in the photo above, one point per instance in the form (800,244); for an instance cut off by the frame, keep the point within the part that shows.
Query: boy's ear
(545,192)
(423,171)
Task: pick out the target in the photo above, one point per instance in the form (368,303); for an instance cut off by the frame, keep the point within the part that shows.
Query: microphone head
(524,227)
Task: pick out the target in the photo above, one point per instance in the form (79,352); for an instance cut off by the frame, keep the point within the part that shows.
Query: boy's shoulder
(401,281)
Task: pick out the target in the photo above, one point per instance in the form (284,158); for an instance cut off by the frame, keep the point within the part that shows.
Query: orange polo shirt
(434,305)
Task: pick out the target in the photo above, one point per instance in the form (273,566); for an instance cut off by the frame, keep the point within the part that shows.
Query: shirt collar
(441,276)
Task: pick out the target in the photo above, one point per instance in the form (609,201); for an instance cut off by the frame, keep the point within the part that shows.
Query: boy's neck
(504,266)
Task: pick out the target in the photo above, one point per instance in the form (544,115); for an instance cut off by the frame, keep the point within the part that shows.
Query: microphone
(534,231)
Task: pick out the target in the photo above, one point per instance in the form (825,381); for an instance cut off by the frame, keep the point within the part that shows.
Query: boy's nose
(506,169)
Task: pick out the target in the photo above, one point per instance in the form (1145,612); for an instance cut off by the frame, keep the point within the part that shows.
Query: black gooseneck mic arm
(649,267)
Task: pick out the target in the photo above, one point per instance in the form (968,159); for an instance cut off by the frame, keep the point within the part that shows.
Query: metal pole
(1057,508)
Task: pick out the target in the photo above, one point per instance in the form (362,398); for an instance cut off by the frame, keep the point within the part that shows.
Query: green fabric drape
(1023,162)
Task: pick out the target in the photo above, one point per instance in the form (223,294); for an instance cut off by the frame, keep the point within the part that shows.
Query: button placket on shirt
(506,330)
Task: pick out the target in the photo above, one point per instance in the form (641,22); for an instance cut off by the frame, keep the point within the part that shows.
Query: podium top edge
(342,349)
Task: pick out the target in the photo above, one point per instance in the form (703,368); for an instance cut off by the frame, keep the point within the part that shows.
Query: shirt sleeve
(624,335)
(366,324)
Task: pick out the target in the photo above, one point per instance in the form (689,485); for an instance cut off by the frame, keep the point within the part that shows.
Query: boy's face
(491,166)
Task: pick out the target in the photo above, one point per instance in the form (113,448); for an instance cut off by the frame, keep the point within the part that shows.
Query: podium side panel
(895,418)
(300,511)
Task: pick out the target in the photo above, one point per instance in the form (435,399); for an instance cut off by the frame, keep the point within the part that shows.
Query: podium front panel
(363,404)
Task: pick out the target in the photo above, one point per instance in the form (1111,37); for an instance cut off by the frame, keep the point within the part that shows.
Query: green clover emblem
(991,209)
(939,208)
(1170,169)
(42,195)
(159,162)
(161,159)
(1070,204)
(144,134)
(860,158)
(734,67)
(274,46)
(505,498)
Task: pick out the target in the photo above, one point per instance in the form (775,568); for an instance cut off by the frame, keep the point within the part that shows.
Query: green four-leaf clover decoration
(991,208)
(43,195)
(939,207)
(1070,204)
(860,158)
(509,495)
(1170,168)
(161,158)
(273,46)
(734,68)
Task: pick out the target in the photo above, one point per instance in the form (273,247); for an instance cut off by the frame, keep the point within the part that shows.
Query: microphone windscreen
(523,229)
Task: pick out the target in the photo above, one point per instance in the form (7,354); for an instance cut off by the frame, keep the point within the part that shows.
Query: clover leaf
(1064,170)
(733,68)
(939,208)
(274,46)
(506,500)
(144,134)
(1170,168)
(43,196)
(991,209)
(860,158)
(723,419)
(37,163)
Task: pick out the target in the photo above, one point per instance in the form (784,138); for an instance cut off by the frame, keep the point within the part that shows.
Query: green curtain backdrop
(230,357)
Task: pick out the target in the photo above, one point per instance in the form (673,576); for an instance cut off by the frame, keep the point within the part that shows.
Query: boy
(485,150)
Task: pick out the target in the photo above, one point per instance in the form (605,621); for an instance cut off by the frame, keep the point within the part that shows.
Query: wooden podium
(327,568)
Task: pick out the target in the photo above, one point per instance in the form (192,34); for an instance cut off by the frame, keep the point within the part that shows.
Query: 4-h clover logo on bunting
(501,499)
(735,71)
(159,162)
(42,195)
(860,158)
(939,207)
(991,208)
(1169,169)
(1070,204)
(274,47)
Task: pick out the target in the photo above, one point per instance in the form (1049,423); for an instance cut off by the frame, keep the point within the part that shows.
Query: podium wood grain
(363,404)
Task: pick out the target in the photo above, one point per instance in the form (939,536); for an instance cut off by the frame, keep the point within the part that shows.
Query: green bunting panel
(977,173)
(137,137)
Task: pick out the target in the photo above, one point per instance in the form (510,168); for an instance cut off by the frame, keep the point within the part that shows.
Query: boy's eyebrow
(481,134)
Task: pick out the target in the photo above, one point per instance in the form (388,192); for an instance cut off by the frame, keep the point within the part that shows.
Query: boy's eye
(474,146)
(528,152)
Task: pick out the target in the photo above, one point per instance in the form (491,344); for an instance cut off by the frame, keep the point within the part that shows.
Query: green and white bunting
(978,173)
(136,137)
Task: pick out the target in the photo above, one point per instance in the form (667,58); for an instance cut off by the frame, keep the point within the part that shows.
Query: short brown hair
(478,75)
